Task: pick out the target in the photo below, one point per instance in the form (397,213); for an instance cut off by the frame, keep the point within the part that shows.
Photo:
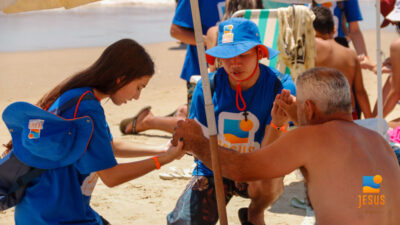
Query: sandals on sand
(132,120)
(243,216)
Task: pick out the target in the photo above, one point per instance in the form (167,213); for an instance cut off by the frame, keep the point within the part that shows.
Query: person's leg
(394,123)
(198,205)
(394,93)
(147,121)
(385,93)
(262,194)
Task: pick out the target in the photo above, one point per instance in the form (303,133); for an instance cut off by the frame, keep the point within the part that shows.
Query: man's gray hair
(327,88)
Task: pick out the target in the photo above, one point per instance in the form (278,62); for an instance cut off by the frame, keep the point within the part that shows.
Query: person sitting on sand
(351,173)
(243,97)
(145,120)
(62,195)
(331,54)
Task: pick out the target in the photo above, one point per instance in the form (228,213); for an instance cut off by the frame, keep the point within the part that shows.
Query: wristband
(282,128)
(156,162)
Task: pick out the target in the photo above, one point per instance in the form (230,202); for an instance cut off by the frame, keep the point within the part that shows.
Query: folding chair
(268,23)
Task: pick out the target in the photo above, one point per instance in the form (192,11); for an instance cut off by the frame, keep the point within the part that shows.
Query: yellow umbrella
(15,6)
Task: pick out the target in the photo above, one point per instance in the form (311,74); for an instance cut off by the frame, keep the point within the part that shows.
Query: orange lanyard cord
(239,89)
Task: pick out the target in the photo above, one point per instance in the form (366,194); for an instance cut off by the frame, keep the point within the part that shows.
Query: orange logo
(371,189)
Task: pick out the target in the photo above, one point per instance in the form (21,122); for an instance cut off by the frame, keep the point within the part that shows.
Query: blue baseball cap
(237,36)
(44,140)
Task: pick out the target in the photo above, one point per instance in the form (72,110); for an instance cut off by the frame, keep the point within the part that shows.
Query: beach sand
(26,76)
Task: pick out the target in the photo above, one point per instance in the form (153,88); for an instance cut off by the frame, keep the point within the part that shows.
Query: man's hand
(192,135)
(287,103)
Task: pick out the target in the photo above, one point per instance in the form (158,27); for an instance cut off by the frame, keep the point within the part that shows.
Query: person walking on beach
(243,97)
(351,172)
(62,195)
(333,55)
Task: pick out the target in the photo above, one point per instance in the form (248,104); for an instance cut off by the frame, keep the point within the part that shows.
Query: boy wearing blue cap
(243,98)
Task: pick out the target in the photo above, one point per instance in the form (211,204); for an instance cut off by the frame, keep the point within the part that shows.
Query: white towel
(296,38)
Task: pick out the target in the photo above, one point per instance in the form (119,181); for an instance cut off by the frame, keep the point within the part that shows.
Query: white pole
(379,66)
(209,107)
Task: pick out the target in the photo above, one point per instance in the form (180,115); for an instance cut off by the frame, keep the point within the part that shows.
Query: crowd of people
(255,105)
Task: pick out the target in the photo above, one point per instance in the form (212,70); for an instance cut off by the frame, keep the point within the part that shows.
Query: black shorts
(105,222)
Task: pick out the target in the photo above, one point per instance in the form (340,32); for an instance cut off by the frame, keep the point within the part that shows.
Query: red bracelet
(282,128)
(156,162)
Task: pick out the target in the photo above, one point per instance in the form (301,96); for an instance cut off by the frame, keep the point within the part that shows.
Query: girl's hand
(177,151)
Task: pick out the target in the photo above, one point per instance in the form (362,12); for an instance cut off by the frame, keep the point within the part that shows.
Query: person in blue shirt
(182,29)
(243,98)
(62,195)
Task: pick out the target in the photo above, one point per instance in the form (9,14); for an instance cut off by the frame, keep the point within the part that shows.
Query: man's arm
(275,160)
(357,38)
(284,155)
(360,92)
(184,34)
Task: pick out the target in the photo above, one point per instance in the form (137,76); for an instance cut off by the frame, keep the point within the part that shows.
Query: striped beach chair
(268,25)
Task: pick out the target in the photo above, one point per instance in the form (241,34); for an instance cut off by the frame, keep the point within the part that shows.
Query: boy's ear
(259,54)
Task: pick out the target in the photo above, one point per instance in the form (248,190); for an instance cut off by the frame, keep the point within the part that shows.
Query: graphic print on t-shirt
(236,133)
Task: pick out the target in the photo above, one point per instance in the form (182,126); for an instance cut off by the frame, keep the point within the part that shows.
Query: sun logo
(227,37)
(246,125)
(35,126)
(371,184)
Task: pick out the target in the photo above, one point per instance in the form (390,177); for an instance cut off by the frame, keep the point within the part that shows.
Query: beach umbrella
(16,6)
(209,108)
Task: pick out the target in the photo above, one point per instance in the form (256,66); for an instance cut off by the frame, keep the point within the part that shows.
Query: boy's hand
(287,103)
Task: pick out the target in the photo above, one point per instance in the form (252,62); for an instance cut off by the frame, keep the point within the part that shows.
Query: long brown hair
(125,60)
(231,6)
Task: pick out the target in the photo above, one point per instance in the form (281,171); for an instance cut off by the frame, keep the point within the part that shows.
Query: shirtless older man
(331,54)
(342,162)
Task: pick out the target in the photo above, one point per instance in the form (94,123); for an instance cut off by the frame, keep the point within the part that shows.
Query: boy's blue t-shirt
(211,11)
(233,131)
(62,195)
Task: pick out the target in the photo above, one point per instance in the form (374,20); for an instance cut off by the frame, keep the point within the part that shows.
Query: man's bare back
(338,159)
(333,55)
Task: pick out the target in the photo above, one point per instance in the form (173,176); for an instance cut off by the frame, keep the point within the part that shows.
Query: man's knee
(266,190)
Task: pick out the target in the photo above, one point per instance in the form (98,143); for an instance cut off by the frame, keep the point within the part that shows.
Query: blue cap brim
(56,146)
(230,50)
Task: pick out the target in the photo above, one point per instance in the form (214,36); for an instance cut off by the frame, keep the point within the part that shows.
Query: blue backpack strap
(212,82)
(72,102)
(26,179)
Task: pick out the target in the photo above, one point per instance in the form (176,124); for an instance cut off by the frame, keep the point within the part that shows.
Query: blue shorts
(198,205)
